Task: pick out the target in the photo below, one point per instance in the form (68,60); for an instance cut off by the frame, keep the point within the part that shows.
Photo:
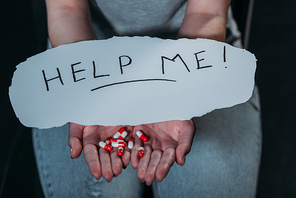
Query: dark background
(272,40)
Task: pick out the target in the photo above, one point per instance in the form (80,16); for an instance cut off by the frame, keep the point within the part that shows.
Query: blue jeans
(223,162)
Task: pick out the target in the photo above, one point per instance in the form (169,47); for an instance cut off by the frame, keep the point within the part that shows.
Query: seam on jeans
(43,167)
(93,187)
(255,99)
(254,105)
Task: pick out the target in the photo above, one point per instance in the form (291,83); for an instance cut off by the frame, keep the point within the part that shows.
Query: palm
(168,142)
(162,135)
(99,161)
(96,133)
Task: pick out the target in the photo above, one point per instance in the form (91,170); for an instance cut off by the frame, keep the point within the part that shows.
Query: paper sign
(130,81)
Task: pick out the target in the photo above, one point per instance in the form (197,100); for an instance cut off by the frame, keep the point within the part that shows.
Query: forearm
(69,21)
(205,19)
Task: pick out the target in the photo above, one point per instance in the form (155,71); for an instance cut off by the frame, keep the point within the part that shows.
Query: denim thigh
(62,176)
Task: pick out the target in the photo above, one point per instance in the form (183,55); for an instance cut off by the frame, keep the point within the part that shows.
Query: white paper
(130,81)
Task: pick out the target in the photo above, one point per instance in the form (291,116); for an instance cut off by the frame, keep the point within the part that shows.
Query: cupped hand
(100,161)
(167,142)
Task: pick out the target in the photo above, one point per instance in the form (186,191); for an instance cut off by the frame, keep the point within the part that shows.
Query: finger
(181,151)
(115,162)
(92,159)
(144,162)
(106,164)
(154,161)
(75,139)
(134,153)
(167,160)
(126,157)
(185,142)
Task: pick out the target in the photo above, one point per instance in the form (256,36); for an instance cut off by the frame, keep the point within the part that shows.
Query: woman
(223,146)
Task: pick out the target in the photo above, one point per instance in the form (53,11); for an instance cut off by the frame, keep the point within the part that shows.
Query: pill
(121,130)
(115,140)
(105,146)
(120,151)
(123,135)
(141,136)
(118,133)
(141,152)
(107,141)
(118,144)
(130,144)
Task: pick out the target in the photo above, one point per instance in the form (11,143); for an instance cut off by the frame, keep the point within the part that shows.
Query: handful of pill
(118,141)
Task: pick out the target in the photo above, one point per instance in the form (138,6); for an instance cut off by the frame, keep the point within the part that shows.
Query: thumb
(185,141)
(75,139)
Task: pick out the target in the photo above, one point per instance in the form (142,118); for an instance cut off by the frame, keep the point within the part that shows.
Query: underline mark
(132,81)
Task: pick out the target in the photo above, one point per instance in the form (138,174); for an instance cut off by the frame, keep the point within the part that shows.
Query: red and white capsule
(115,140)
(120,151)
(119,133)
(118,144)
(130,144)
(141,151)
(141,136)
(105,146)
(123,135)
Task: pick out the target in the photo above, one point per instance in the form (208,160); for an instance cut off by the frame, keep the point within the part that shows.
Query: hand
(100,161)
(167,142)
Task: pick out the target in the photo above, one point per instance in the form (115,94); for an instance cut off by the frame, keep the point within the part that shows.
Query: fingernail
(184,158)
(71,153)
